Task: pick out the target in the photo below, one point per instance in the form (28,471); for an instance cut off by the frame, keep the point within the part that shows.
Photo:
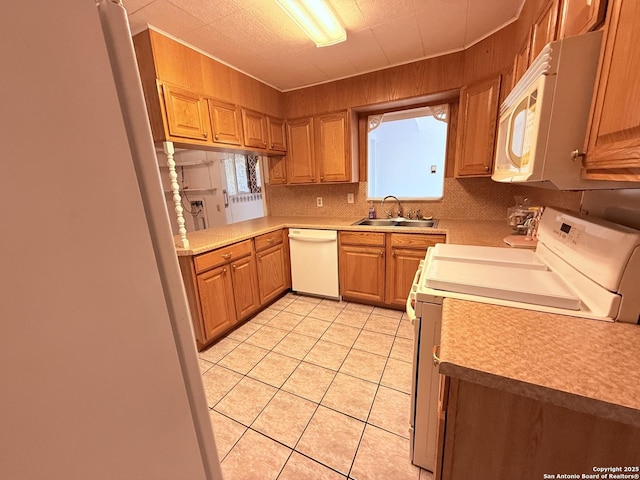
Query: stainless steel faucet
(389,212)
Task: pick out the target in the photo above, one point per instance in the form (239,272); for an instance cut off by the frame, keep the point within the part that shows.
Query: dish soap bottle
(372,211)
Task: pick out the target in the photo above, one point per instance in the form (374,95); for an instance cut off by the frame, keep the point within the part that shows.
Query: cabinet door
(271,273)
(544,28)
(401,268)
(277,170)
(332,147)
(362,273)
(613,147)
(254,126)
(216,300)
(245,286)
(301,161)
(580,16)
(225,122)
(477,120)
(185,112)
(521,60)
(277,134)
(404,252)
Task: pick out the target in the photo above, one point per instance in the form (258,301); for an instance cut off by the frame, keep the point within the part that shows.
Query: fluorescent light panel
(316,19)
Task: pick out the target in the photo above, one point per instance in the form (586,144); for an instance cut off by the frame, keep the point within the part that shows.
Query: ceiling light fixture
(316,19)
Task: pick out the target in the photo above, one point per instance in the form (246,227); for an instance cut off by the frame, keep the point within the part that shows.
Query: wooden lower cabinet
(217,302)
(404,252)
(273,265)
(489,433)
(245,286)
(379,268)
(362,273)
(226,289)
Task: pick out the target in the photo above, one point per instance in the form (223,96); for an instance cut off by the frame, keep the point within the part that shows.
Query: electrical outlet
(350,198)
(319,201)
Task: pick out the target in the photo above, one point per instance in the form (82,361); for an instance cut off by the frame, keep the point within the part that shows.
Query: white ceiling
(258,38)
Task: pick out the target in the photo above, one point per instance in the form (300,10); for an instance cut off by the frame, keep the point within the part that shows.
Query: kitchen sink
(398,222)
(376,222)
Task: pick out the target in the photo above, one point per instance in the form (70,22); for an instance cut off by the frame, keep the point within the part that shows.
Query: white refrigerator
(99,373)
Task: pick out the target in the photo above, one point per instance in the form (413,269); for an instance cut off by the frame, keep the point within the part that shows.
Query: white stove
(582,267)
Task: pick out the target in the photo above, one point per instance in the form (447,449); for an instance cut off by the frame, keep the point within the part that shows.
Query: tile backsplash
(464,199)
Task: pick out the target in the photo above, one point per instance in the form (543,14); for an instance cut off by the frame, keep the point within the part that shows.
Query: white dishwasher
(314,261)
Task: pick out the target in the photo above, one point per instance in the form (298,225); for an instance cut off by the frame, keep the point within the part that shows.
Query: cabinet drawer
(223,255)
(415,240)
(268,240)
(362,238)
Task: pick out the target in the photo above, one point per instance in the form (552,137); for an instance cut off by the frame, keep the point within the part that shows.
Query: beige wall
(470,198)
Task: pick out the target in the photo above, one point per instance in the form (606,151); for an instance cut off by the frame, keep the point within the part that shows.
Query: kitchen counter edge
(585,365)
(478,232)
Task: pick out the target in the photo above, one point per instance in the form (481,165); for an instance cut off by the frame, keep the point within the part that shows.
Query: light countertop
(585,365)
(477,232)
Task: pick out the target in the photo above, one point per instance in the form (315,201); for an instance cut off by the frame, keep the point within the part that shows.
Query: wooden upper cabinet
(580,16)
(477,122)
(277,131)
(521,60)
(226,124)
(545,28)
(332,147)
(301,161)
(613,142)
(277,170)
(254,127)
(185,112)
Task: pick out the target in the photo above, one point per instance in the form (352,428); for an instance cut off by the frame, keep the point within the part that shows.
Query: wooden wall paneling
(439,74)
(144,54)
(491,56)
(177,63)
(216,79)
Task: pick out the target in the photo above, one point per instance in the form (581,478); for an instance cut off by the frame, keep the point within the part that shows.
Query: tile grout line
(289,330)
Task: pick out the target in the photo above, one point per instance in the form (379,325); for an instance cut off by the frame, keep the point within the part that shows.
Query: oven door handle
(411,298)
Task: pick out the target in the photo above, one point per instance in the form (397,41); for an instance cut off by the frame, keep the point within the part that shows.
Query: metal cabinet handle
(269,240)
(435,353)
(226,256)
(234,266)
(577,154)
(272,145)
(486,168)
(381,252)
(217,137)
(224,270)
(205,134)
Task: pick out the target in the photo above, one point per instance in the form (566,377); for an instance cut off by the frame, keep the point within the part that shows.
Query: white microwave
(543,121)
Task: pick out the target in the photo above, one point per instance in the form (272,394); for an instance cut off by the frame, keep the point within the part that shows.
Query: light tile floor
(313,389)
